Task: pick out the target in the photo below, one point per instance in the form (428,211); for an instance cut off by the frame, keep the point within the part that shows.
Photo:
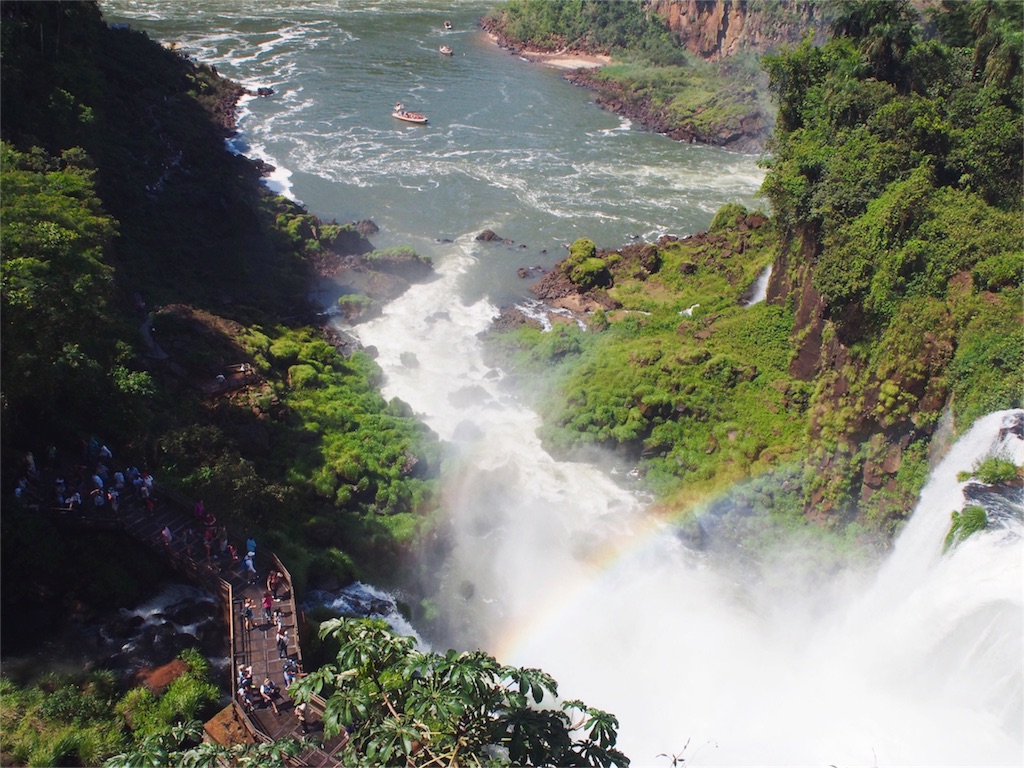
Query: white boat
(445,50)
(401,113)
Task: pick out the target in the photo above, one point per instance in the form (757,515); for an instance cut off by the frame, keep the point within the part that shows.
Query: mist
(784,656)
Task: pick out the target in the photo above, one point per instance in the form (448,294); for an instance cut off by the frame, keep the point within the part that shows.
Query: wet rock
(366,227)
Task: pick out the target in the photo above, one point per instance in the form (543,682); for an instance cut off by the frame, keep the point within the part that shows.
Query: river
(560,565)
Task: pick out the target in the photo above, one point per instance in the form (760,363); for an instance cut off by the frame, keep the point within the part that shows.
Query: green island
(894,305)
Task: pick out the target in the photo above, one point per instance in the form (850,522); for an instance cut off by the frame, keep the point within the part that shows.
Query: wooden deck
(256,647)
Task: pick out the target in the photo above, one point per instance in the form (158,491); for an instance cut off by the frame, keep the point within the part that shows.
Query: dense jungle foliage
(894,177)
(85,717)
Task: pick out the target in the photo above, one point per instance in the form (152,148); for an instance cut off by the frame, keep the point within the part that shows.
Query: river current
(914,662)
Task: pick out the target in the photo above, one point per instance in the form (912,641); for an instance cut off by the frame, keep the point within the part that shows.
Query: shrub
(993,470)
(971,520)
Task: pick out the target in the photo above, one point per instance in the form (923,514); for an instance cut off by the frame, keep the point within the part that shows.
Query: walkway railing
(231,584)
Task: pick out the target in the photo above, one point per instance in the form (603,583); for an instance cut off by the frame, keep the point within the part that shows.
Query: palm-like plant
(403,706)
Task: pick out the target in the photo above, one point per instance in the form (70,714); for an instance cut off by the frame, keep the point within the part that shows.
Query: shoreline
(557,59)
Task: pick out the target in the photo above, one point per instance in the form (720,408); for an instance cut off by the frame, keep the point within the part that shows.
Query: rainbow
(601,565)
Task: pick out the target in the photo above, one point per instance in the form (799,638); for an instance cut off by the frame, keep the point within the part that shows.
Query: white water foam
(921,667)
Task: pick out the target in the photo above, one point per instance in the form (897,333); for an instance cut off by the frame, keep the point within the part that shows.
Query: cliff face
(713,29)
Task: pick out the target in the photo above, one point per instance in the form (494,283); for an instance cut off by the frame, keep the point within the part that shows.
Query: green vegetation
(993,470)
(657,78)
(589,25)
(140,261)
(84,718)
(894,178)
(699,399)
(403,705)
(308,457)
(970,520)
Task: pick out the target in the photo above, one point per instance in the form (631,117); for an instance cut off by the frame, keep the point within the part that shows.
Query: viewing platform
(226,578)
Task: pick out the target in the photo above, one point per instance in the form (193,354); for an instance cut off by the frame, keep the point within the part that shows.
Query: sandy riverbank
(557,59)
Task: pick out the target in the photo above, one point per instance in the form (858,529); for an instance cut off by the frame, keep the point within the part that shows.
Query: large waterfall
(915,661)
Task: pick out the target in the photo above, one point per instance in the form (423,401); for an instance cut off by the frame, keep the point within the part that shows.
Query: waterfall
(759,291)
(915,661)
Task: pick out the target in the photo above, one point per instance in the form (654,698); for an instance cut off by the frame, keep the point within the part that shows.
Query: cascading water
(759,291)
(556,566)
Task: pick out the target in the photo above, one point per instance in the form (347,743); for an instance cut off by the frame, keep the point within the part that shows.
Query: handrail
(204,573)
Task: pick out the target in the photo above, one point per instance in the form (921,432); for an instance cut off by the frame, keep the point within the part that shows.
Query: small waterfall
(759,291)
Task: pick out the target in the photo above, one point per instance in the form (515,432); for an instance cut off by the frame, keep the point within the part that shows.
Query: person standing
(248,567)
(268,607)
(268,692)
(248,613)
(300,713)
(282,643)
(274,581)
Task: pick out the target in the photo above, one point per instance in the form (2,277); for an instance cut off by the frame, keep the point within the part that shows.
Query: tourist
(166,535)
(248,613)
(278,619)
(245,699)
(250,545)
(292,672)
(268,692)
(274,581)
(300,713)
(245,676)
(249,566)
(282,643)
(268,606)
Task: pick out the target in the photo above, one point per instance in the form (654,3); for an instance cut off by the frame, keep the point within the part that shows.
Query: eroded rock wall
(713,29)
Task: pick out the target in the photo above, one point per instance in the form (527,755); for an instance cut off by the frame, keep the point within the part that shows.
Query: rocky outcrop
(746,133)
(714,29)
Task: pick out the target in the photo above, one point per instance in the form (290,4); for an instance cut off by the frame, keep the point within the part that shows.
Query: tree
(885,32)
(56,283)
(404,706)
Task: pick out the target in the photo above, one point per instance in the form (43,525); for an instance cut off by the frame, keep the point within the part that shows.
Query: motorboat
(446,50)
(401,113)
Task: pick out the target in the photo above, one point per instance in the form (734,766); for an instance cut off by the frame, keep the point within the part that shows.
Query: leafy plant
(971,520)
(400,705)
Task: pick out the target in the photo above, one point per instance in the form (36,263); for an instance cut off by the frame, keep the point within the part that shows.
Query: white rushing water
(558,567)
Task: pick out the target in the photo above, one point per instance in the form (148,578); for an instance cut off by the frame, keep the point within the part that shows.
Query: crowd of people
(97,485)
(92,484)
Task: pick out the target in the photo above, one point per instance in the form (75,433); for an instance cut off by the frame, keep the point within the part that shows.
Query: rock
(366,227)
(488,236)
(156,679)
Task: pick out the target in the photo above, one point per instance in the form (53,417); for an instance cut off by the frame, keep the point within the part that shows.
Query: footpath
(169,527)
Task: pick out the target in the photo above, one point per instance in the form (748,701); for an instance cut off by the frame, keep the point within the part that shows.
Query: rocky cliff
(713,29)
